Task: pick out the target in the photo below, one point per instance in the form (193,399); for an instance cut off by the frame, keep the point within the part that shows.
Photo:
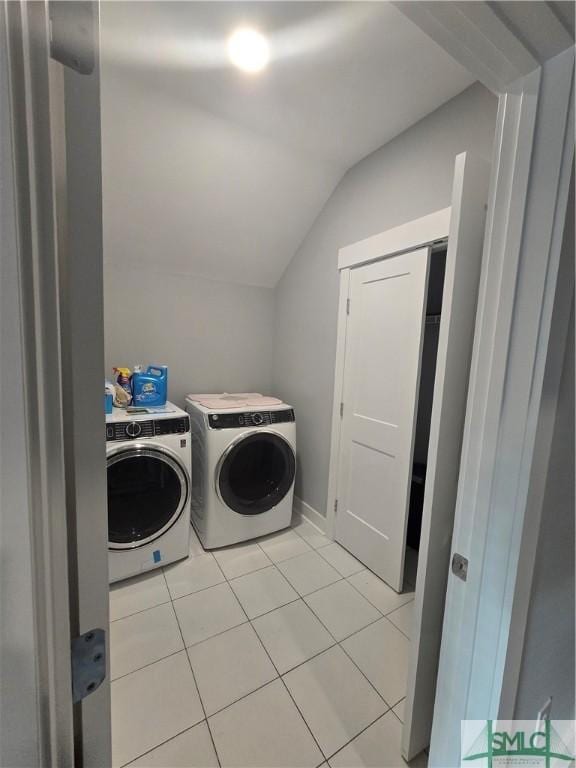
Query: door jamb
(533,155)
(34,205)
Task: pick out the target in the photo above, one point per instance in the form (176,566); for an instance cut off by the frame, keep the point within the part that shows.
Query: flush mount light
(248,50)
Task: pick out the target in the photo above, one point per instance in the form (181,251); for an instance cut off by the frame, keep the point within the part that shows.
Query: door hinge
(335,505)
(341,410)
(88,663)
(460,566)
(347,306)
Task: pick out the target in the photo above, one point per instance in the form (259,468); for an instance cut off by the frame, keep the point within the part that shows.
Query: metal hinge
(460,566)
(341,410)
(347,306)
(88,663)
(335,505)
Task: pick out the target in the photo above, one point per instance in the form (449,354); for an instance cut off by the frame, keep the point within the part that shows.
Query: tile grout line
(320,533)
(360,733)
(124,765)
(142,610)
(367,678)
(271,563)
(300,663)
(299,597)
(247,572)
(204,720)
(251,620)
(336,643)
(280,676)
(387,616)
(368,599)
(239,576)
(362,567)
(288,691)
(394,713)
(148,664)
(193,676)
(339,643)
(244,695)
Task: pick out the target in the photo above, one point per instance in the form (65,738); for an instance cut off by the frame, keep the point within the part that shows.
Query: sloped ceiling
(212,172)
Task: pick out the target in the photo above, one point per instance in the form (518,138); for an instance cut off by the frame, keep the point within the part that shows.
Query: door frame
(55,200)
(35,255)
(533,153)
(460,228)
(531,166)
(527,207)
(411,236)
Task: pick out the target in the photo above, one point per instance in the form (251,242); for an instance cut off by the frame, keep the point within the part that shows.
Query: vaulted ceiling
(212,172)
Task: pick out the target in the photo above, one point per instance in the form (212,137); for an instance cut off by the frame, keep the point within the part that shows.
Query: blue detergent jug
(150,387)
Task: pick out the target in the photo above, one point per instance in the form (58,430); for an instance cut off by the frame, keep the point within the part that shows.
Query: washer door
(256,472)
(147,493)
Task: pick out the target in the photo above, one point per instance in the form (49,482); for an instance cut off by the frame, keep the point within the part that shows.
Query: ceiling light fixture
(248,50)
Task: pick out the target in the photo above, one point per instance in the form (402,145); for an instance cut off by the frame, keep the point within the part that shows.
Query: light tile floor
(281,652)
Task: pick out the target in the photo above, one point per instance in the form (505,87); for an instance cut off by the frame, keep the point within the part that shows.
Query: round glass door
(147,492)
(256,473)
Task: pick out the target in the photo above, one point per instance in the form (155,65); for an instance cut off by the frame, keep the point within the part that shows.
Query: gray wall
(548,655)
(409,177)
(214,336)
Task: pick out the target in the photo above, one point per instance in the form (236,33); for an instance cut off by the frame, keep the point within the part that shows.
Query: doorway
(522,161)
(444,252)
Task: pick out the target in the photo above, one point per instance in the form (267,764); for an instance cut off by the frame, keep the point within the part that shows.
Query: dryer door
(147,493)
(256,472)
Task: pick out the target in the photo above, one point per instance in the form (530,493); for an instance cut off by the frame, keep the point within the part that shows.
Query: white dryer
(148,467)
(243,469)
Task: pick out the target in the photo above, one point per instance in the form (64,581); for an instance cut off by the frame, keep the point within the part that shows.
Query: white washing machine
(148,466)
(243,469)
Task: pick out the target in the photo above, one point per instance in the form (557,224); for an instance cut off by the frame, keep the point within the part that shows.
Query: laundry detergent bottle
(150,387)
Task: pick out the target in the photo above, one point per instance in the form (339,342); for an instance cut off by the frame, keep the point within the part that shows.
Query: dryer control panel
(130,430)
(249,419)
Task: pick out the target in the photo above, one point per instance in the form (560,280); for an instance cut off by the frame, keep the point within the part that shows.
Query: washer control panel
(130,430)
(249,419)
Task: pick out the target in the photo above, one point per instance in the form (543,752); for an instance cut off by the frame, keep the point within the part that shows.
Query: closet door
(381,380)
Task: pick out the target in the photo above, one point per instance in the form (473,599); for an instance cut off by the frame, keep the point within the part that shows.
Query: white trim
(303,511)
(475,37)
(496,42)
(406,237)
(78,176)
(526,206)
(27,26)
(337,399)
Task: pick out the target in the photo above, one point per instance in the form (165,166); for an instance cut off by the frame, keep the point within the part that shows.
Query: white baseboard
(308,513)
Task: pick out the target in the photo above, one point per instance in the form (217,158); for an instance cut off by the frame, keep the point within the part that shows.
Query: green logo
(519,743)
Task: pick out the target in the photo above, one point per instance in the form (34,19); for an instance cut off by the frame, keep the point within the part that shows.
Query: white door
(463,261)
(387,304)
